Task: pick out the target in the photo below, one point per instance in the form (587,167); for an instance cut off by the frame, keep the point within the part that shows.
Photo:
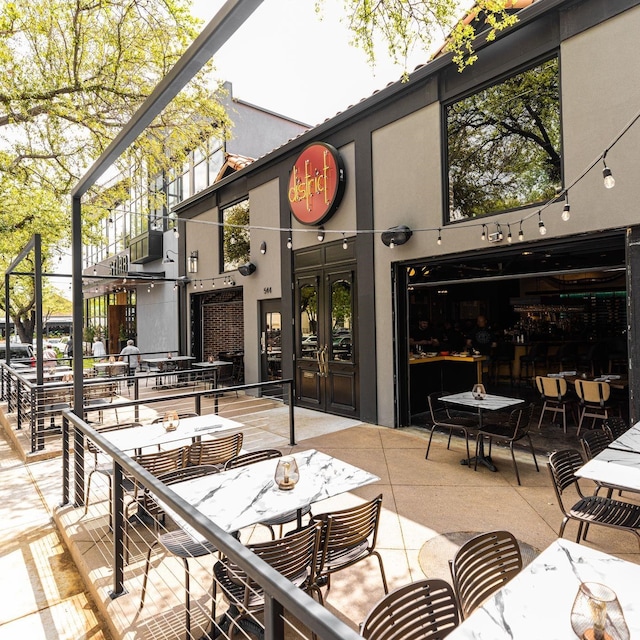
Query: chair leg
(544,406)
(429,445)
(515,464)
(533,453)
(384,577)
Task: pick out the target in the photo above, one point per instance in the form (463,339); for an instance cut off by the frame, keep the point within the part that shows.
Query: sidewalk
(42,595)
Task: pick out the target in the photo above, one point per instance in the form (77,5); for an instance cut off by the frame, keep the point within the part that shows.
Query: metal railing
(281,596)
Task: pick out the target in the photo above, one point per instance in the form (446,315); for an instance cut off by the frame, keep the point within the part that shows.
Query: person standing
(482,338)
(97,348)
(132,355)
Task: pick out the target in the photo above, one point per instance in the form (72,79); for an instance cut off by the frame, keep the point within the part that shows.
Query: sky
(284,49)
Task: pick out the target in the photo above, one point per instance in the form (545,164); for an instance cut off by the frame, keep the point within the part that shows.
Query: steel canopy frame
(222,26)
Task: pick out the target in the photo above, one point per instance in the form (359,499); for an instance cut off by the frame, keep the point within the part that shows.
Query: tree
(72,73)
(404,24)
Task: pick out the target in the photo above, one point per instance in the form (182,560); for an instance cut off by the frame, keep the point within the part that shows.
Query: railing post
(78,473)
(18,403)
(136,396)
(292,426)
(273,619)
(198,403)
(117,506)
(65,460)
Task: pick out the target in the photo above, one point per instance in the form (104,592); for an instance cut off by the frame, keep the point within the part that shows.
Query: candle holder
(287,473)
(170,421)
(597,615)
(478,391)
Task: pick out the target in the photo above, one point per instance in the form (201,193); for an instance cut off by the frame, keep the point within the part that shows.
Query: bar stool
(537,355)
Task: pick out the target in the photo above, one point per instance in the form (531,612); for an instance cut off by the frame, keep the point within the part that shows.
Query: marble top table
(109,367)
(488,402)
(246,495)
(150,435)
(180,360)
(617,466)
(537,602)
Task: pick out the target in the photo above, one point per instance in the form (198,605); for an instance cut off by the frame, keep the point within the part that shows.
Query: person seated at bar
(481,338)
(422,336)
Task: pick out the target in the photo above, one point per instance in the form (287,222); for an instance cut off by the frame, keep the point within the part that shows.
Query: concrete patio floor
(426,505)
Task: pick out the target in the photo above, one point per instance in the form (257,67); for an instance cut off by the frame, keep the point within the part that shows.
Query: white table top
(154,434)
(489,402)
(168,359)
(214,364)
(246,495)
(537,602)
(107,364)
(618,465)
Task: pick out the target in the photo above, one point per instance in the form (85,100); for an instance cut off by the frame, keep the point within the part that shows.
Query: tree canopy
(404,24)
(72,73)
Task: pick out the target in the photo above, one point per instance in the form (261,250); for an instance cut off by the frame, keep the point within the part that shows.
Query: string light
(392,244)
(483,237)
(320,234)
(609,180)
(521,232)
(566,211)
(499,231)
(509,236)
(439,240)
(541,228)
(345,244)
(289,243)
(176,233)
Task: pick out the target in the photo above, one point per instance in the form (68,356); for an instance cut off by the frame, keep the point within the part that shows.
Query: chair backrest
(520,420)
(563,466)
(594,441)
(615,427)
(216,451)
(160,462)
(425,609)
(181,415)
(252,456)
(483,565)
(593,392)
(101,390)
(293,556)
(347,529)
(552,388)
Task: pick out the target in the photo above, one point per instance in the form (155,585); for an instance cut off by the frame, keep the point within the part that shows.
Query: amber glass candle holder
(478,391)
(597,615)
(170,421)
(287,473)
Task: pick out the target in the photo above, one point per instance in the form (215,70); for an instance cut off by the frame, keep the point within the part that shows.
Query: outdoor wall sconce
(395,236)
(193,262)
(263,247)
(167,259)
(247,269)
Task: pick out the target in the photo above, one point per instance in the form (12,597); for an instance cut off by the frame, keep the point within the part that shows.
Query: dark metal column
(633,317)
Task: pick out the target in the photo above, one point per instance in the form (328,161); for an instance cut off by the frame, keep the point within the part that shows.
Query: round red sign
(316,184)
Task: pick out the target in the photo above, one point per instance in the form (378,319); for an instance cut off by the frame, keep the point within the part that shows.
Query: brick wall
(222,322)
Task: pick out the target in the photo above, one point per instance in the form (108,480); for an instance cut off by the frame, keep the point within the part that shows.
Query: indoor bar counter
(442,372)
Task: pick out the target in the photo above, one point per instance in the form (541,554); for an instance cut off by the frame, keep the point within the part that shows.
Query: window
(235,235)
(503,145)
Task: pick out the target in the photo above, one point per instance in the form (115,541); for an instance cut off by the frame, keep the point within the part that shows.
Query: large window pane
(503,144)
(308,321)
(235,236)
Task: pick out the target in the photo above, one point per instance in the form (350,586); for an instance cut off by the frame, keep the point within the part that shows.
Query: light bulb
(176,233)
(345,244)
(566,212)
(439,240)
(542,229)
(484,234)
(609,180)
(289,243)
(320,234)
(509,236)
(392,244)
(521,234)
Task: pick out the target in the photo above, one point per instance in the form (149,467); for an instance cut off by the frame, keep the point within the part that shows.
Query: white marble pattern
(537,602)
(151,435)
(628,441)
(488,403)
(614,468)
(246,495)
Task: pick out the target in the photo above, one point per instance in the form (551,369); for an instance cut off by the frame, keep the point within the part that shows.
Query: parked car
(20,352)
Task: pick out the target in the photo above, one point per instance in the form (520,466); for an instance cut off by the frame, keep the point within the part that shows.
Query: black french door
(326,349)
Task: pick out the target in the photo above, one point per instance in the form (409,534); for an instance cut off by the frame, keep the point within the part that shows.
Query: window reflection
(308,320)
(504,146)
(341,315)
